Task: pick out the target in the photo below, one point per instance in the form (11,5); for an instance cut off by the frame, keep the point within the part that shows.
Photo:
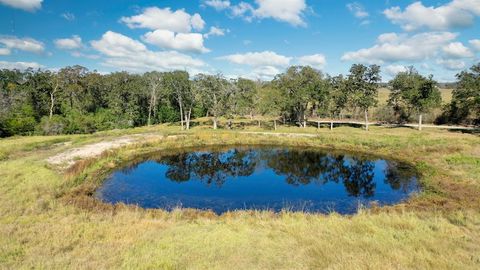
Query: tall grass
(439,229)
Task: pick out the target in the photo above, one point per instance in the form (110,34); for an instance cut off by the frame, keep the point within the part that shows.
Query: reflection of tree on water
(302,168)
(213,167)
(179,169)
(299,168)
(399,176)
(359,180)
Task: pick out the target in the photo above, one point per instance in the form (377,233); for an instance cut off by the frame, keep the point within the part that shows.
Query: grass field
(48,219)
(383,95)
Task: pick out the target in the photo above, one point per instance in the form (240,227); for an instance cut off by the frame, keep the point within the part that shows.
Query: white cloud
(5,51)
(475,43)
(393,70)
(117,45)
(84,55)
(258,59)
(242,9)
(451,64)
(28,5)
(215,31)
(157,18)
(68,16)
(75,42)
(457,50)
(290,11)
(125,53)
(392,47)
(357,10)
(218,4)
(457,13)
(192,42)
(19,65)
(197,22)
(388,38)
(317,61)
(264,73)
(23,44)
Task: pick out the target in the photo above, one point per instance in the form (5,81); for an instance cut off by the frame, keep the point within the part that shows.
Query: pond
(261,178)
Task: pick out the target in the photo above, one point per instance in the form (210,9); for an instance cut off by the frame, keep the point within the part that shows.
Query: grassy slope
(439,229)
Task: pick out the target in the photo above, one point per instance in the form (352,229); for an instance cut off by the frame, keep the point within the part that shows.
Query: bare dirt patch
(68,158)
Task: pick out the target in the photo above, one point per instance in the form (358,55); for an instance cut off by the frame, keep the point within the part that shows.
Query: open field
(49,220)
(383,95)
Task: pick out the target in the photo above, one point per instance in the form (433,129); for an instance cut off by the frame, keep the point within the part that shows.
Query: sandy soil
(70,156)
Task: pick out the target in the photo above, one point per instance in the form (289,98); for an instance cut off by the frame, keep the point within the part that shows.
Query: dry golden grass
(41,226)
(383,95)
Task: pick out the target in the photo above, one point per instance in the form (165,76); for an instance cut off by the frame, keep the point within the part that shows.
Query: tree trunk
(420,121)
(331,125)
(275,124)
(187,118)
(150,111)
(258,122)
(154,106)
(214,122)
(52,100)
(152,103)
(181,112)
(366,120)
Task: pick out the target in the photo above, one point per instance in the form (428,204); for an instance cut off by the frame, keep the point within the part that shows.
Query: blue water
(260,178)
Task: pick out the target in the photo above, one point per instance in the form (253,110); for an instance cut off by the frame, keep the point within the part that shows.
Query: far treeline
(76,100)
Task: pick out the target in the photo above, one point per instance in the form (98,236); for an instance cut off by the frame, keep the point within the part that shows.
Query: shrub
(167,114)
(54,126)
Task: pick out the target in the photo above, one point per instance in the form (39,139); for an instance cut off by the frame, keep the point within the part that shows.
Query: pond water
(262,178)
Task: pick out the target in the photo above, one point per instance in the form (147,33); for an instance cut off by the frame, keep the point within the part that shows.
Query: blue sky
(250,38)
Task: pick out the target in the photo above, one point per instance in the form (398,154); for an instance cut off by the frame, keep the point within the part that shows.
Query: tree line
(76,100)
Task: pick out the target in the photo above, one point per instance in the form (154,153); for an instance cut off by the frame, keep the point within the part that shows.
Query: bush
(20,125)
(54,126)
(78,123)
(104,120)
(386,114)
(167,114)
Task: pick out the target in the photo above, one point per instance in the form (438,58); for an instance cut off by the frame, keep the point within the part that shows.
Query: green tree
(465,104)
(213,92)
(244,97)
(362,83)
(179,85)
(272,102)
(154,81)
(414,92)
(301,86)
(339,96)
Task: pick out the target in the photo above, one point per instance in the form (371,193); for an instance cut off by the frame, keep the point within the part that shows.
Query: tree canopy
(76,100)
